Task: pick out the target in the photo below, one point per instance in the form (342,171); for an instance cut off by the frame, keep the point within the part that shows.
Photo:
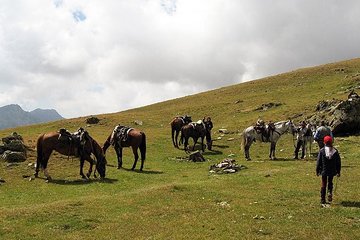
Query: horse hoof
(132,169)
(48,179)
(88,175)
(36,175)
(118,167)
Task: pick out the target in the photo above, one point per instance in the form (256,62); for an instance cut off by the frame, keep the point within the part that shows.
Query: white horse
(250,135)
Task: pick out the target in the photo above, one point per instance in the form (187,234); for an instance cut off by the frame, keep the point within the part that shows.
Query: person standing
(321,132)
(300,140)
(328,165)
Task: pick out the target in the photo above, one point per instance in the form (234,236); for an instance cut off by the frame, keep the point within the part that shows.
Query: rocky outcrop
(13,148)
(343,116)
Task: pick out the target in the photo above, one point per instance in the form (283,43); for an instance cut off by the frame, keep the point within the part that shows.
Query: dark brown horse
(134,138)
(48,142)
(176,124)
(196,130)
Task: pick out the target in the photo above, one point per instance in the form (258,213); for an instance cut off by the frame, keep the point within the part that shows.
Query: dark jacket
(326,166)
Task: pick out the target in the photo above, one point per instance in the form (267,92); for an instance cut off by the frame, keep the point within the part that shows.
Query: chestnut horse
(134,139)
(48,142)
(196,130)
(176,124)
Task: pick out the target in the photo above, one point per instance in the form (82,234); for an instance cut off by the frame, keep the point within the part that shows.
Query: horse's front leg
(91,161)
(118,151)
(195,141)
(82,160)
(202,144)
(272,151)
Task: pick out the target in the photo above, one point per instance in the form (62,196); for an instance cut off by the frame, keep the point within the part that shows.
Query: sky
(87,57)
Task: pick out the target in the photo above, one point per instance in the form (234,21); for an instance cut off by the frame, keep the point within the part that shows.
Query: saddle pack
(120,134)
(76,139)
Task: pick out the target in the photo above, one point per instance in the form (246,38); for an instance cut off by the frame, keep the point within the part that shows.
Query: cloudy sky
(84,57)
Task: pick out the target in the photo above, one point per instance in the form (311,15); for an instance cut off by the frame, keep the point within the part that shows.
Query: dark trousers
(326,180)
(300,144)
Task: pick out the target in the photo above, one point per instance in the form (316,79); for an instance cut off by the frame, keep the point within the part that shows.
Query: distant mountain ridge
(13,115)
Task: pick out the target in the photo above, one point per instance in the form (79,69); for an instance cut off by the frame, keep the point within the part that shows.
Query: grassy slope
(179,200)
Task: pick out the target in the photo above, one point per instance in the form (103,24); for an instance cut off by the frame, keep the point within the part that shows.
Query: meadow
(176,199)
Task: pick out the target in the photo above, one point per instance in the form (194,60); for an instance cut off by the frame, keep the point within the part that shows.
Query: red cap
(327,140)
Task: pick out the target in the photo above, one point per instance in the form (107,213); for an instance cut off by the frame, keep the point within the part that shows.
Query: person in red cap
(328,165)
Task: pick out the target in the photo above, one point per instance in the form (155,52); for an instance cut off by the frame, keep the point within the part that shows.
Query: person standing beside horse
(328,165)
(300,140)
(208,122)
(320,133)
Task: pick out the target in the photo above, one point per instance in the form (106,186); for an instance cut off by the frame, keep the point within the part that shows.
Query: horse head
(95,148)
(187,119)
(291,127)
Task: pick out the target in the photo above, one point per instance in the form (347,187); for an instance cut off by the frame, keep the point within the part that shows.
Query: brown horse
(196,130)
(176,124)
(48,142)
(133,138)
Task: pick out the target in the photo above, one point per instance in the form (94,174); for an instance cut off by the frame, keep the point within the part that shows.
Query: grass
(173,199)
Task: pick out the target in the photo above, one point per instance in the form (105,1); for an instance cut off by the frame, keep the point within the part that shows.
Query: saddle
(75,139)
(120,134)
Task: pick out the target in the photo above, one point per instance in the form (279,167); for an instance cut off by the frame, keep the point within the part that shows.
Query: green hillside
(173,199)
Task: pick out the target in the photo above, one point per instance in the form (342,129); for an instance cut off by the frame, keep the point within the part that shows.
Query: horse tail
(39,151)
(244,139)
(143,146)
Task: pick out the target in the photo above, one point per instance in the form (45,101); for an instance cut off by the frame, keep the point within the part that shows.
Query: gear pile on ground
(12,148)
(227,165)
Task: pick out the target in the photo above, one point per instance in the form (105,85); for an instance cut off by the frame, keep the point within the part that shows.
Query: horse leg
(202,144)
(136,155)
(172,136)
(176,139)
(82,161)
(44,162)
(186,142)
(119,156)
(247,145)
(195,141)
(91,161)
(272,151)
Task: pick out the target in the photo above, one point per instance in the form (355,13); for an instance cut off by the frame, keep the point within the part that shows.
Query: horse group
(188,129)
(82,145)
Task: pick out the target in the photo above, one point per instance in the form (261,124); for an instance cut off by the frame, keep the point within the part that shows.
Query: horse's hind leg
(247,145)
(136,155)
(176,139)
(118,151)
(272,151)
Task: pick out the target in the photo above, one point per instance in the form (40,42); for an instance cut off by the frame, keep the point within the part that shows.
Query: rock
(138,122)
(231,139)
(342,116)
(92,120)
(12,164)
(223,130)
(196,157)
(228,165)
(266,106)
(11,156)
(15,145)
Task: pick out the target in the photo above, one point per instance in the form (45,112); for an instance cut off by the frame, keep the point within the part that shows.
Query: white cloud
(87,57)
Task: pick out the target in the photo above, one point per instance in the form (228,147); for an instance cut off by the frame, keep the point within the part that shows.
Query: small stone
(256,217)
(231,139)
(262,217)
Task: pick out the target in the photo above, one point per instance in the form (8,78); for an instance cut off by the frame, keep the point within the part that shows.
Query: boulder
(92,120)
(342,116)
(11,156)
(15,145)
